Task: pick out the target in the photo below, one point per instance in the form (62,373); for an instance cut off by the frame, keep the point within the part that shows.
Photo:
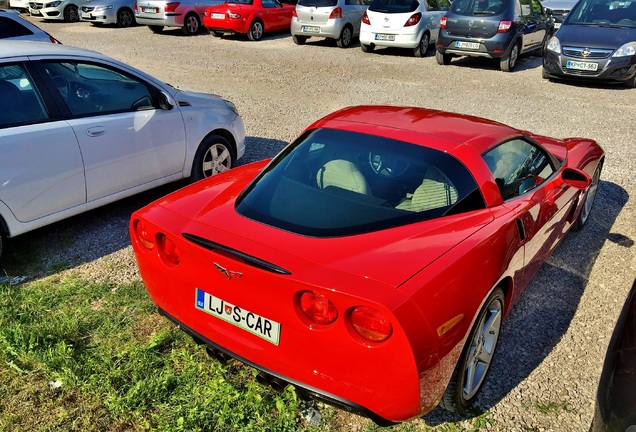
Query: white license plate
(467,45)
(311,29)
(85,15)
(249,321)
(557,25)
(579,65)
(218,16)
(35,12)
(150,9)
(384,37)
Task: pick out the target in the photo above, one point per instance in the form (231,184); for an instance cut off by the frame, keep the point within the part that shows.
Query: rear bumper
(303,389)
(175,20)
(232,26)
(331,29)
(495,47)
(403,39)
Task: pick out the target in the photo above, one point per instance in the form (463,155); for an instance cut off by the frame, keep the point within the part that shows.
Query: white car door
(125,139)
(41,169)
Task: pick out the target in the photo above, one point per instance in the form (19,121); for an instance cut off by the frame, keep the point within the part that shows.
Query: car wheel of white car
(255,32)
(509,61)
(299,40)
(345,37)
(422,48)
(125,18)
(213,156)
(71,14)
(191,24)
(367,48)
(476,358)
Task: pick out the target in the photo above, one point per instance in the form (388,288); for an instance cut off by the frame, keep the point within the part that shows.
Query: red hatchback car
(251,17)
(372,262)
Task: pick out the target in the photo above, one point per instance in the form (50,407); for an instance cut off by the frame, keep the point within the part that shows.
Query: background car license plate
(85,15)
(467,45)
(35,12)
(578,65)
(218,16)
(149,9)
(385,37)
(249,321)
(311,29)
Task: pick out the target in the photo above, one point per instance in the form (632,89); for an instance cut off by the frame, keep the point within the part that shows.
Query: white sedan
(79,130)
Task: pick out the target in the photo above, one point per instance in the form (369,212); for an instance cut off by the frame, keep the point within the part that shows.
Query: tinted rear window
(336,183)
(479,7)
(318,3)
(394,6)
(10,28)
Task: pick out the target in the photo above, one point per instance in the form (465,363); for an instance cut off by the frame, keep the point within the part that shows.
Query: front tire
(71,13)
(588,200)
(125,18)
(442,59)
(191,25)
(213,156)
(256,31)
(421,49)
(344,41)
(299,40)
(509,61)
(631,83)
(475,360)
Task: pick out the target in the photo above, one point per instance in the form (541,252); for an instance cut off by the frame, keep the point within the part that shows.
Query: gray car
(333,19)
(560,10)
(120,12)
(14,27)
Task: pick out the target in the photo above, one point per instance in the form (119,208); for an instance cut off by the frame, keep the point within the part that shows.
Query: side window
(431,5)
(515,161)
(269,4)
(19,101)
(526,8)
(11,28)
(91,89)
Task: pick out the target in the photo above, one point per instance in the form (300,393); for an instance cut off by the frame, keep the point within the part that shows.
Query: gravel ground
(551,351)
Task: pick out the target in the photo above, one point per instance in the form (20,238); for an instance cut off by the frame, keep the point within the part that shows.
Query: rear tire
(191,25)
(474,362)
(509,61)
(344,41)
(213,156)
(443,59)
(421,49)
(255,33)
(367,48)
(299,40)
(156,29)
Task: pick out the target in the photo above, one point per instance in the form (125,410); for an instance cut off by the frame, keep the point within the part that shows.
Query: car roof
(12,48)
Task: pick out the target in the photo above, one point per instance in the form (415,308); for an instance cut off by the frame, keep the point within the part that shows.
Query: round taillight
(371,324)
(144,238)
(318,308)
(168,250)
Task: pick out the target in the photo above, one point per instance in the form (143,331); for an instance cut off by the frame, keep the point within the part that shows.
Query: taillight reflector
(414,19)
(144,238)
(371,324)
(442,22)
(336,13)
(504,26)
(168,250)
(172,6)
(365,19)
(318,308)
(294,14)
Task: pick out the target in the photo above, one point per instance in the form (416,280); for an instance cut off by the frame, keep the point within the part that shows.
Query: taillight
(415,18)
(504,26)
(371,324)
(144,238)
(317,308)
(136,7)
(365,19)
(168,251)
(442,22)
(336,13)
(171,7)
(294,14)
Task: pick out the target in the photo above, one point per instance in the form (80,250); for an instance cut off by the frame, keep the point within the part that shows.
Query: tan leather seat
(342,174)
(436,191)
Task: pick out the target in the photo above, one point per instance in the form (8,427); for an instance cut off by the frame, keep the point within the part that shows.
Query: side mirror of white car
(166,102)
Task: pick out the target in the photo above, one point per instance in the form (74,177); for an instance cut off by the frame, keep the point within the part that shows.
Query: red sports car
(372,262)
(251,17)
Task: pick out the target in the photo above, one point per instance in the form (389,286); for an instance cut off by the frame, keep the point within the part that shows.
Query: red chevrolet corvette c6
(371,263)
(250,17)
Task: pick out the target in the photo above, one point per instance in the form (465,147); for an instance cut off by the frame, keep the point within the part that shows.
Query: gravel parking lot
(551,352)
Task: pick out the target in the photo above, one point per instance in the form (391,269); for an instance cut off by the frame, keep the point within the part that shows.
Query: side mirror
(165,101)
(576,178)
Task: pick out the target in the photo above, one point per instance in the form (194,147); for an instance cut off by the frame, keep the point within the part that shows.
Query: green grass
(123,367)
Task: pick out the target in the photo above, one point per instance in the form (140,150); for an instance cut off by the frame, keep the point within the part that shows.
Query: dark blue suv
(498,29)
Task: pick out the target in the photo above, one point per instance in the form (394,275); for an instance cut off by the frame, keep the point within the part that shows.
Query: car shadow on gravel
(97,233)
(545,310)
(525,62)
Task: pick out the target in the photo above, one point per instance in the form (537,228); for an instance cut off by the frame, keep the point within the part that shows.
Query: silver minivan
(333,19)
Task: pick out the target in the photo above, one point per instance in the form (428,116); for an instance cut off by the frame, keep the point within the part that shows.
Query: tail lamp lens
(318,308)
(336,13)
(443,22)
(144,238)
(504,26)
(371,324)
(168,250)
(172,6)
(415,18)
(294,14)
(365,19)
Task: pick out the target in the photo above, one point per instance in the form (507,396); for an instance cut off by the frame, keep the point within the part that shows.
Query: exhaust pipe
(278,385)
(220,356)
(275,383)
(264,379)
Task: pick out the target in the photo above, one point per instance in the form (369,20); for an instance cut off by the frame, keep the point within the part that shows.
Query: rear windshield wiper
(483,13)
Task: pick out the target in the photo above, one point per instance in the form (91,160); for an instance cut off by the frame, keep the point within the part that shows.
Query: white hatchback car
(402,24)
(333,19)
(79,130)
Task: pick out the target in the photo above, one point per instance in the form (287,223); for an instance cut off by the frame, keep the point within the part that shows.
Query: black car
(597,41)
(499,29)
(616,396)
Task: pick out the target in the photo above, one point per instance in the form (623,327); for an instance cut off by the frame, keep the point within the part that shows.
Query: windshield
(604,13)
(318,3)
(335,183)
(393,6)
(478,7)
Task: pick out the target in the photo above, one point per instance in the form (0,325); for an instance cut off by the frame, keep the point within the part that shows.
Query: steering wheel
(386,166)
